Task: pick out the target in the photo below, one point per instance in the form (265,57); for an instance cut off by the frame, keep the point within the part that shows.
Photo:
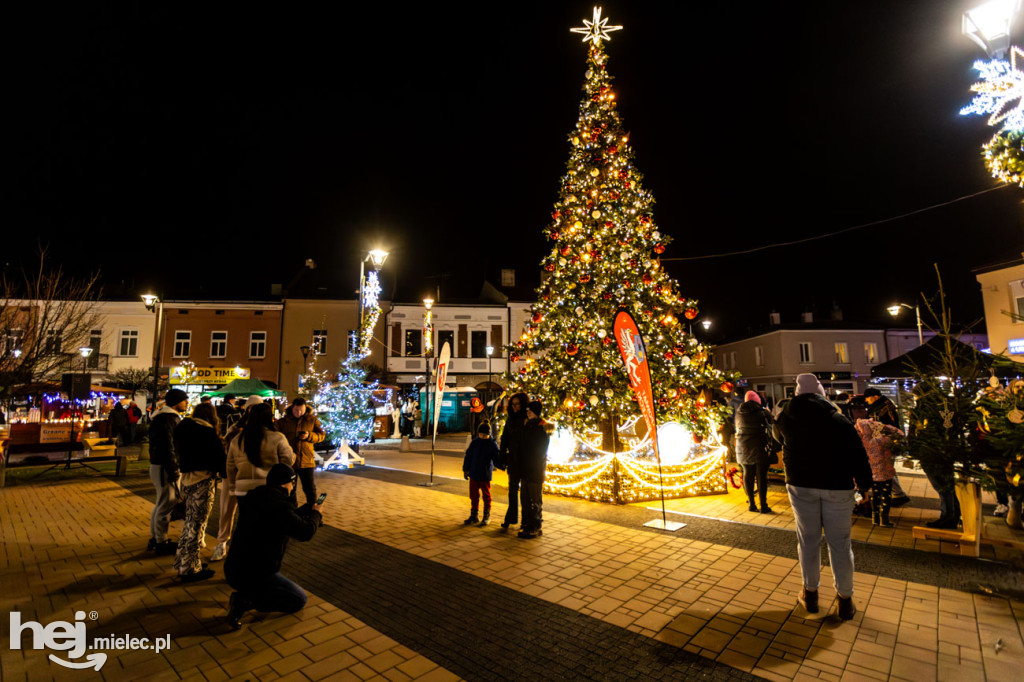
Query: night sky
(208,151)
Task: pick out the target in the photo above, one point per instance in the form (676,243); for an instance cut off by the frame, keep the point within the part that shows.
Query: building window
(13,341)
(508,277)
(51,346)
(478,344)
(1020,309)
(842,353)
(443,337)
(319,341)
(871,353)
(732,359)
(759,356)
(413,342)
(218,344)
(806,357)
(257,345)
(95,337)
(128,344)
(182,344)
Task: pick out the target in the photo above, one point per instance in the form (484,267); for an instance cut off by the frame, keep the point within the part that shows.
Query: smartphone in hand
(321,498)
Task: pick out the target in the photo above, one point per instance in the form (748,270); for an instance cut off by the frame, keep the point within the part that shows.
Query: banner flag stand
(439,378)
(631,346)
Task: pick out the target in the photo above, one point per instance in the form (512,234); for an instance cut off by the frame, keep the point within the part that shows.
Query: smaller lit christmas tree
(346,405)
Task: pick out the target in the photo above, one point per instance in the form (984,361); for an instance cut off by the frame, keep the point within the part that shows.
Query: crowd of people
(257,461)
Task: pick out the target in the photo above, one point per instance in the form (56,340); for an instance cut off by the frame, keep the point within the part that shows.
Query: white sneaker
(219,552)
(1001,510)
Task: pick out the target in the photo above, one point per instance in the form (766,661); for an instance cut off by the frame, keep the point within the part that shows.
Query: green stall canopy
(244,388)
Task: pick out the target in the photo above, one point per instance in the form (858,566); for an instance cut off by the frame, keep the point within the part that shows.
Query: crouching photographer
(267,520)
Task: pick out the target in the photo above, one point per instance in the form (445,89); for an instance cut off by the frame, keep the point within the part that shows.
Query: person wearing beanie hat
(163,469)
(267,520)
(753,449)
(824,457)
(477,467)
(534,464)
(808,383)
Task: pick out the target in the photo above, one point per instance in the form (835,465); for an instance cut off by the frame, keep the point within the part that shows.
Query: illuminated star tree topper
(596,30)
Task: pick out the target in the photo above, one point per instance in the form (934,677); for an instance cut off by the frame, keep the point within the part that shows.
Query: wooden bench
(84,454)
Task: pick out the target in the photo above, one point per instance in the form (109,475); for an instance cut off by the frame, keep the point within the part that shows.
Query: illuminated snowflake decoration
(596,30)
(1000,91)
(371,295)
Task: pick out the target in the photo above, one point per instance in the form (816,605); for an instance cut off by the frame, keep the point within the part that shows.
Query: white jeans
(815,509)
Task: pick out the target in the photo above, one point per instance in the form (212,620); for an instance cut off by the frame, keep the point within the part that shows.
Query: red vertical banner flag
(631,345)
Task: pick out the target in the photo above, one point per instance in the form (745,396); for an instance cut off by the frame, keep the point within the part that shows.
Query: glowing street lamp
(895,310)
(706,323)
(989,25)
(154,304)
(369,290)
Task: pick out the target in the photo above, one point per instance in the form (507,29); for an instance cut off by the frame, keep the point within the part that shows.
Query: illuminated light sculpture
(602,234)
(371,312)
(1000,96)
(578,468)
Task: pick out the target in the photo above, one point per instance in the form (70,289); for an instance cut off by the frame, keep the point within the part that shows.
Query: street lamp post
(490,373)
(376,258)
(895,309)
(990,24)
(428,353)
(154,303)
(85,352)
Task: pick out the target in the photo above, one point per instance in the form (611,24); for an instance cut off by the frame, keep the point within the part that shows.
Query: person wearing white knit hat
(823,456)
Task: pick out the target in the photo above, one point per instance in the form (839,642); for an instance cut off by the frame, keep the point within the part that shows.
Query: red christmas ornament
(609,224)
(609,372)
(585,381)
(555,234)
(659,249)
(572,349)
(584,278)
(669,355)
(680,348)
(625,284)
(537,317)
(690,313)
(698,439)
(646,278)
(550,267)
(607,340)
(580,405)
(556,215)
(565,250)
(613,150)
(606,296)
(645,219)
(522,371)
(726,387)
(513,357)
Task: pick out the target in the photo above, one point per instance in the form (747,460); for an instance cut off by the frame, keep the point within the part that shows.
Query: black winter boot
(487,517)
(472,519)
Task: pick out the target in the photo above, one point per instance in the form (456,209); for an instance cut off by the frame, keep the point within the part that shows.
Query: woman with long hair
(202,460)
(256,448)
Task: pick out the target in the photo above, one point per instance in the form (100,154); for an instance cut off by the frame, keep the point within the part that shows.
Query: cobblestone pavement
(401,589)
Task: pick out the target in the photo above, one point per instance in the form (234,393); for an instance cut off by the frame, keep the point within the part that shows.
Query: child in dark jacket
(481,456)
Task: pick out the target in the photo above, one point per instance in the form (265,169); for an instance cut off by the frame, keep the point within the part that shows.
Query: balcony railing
(74,362)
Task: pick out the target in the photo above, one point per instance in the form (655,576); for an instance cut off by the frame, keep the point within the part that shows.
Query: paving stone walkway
(395,571)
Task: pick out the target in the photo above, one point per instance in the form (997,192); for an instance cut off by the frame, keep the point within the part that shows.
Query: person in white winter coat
(255,449)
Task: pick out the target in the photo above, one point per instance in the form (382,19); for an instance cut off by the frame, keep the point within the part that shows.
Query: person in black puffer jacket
(163,469)
(202,459)
(511,454)
(753,423)
(267,520)
(823,456)
(534,466)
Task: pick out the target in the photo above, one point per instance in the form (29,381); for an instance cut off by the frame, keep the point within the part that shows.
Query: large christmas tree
(605,255)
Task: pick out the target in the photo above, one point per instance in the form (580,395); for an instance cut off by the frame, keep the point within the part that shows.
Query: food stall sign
(55,433)
(1016,346)
(207,375)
